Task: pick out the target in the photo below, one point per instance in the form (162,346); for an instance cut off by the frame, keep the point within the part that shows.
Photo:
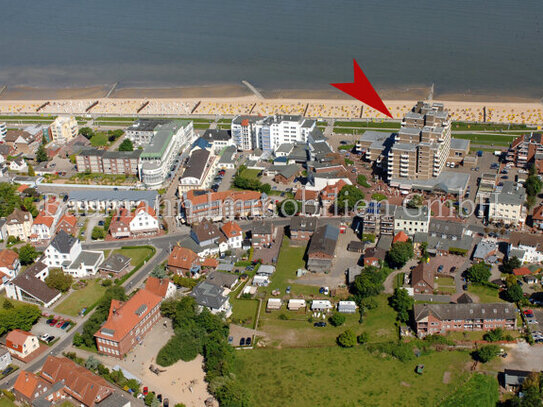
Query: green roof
(162,138)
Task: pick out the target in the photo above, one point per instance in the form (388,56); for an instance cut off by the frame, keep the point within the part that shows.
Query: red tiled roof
(538,213)
(329,192)
(142,206)
(522,271)
(197,199)
(16,338)
(27,384)
(21,188)
(120,220)
(123,316)
(80,383)
(67,220)
(305,194)
(210,262)
(400,237)
(181,257)
(231,229)
(7,258)
(157,286)
(43,219)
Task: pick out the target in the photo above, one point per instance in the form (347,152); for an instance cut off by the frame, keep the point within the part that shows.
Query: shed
(266,269)
(321,305)
(295,304)
(346,307)
(356,246)
(274,304)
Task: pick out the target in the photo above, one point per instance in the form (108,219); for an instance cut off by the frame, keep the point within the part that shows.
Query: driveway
(389,282)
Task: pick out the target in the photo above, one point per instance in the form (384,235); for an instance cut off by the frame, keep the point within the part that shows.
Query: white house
(321,305)
(30,286)
(65,252)
(296,304)
(18,165)
(346,307)
(21,343)
(266,270)
(144,220)
(411,221)
(233,233)
(5,359)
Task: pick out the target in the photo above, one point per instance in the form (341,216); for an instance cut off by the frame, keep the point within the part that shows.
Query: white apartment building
(3,131)
(142,131)
(64,129)
(251,132)
(411,221)
(507,205)
(159,155)
(198,173)
(144,220)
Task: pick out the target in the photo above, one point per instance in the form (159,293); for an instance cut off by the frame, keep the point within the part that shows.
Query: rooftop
(163,135)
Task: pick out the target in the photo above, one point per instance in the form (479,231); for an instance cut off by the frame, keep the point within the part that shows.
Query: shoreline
(232,100)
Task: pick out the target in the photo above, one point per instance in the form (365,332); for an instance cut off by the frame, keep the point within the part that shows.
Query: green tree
(265,189)
(349,198)
(9,199)
(59,280)
(533,185)
(21,316)
(510,264)
(86,132)
(494,335)
(363,338)
(92,363)
(337,319)
(28,204)
(347,339)
(402,303)
(41,154)
(159,272)
(27,254)
(478,273)
(31,172)
(126,145)
(7,304)
(400,253)
(233,394)
(514,293)
(416,202)
(98,233)
(368,283)
(148,399)
(486,353)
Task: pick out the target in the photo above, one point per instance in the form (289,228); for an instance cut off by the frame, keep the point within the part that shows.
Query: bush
(494,335)
(363,338)
(347,339)
(401,351)
(106,282)
(58,280)
(486,353)
(337,319)
(183,346)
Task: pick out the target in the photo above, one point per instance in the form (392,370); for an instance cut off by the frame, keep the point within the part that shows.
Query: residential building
(182,260)
(144,221)
(159,155)
(262,234)
(486,249)
(212,297)
(513,378)
(9,263)
(65,252)
(3,130)
(218,139)
(228,158)
(76,382)
(346,307)
(15,137)
(223,280)
(30,286)
(142,131)
(163,288)
(198,173)
(422,146)
(527,247)
(373,256)
(216,206)
(322,248)
(378,219)
(28,387)
(244,132)
(329,194)
(507,205)
(68,223)
(375,146)
(18,165)
(400,237)
(21,343)
(119,226)
(64,129)
(19,224)
(43,227)
(525,150)
(109,162)
(127,323)
(233,233)
(458,151)
(302,228)
(422,279)
(410,220)
(537,218)
(115,265)
(104,199)
(3,231)
(442,318)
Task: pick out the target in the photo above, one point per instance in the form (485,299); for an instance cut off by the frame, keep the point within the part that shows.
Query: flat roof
(447,181)
(87,195)
(162,138)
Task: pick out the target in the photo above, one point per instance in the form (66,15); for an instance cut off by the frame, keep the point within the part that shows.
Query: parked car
(288,290)
(248,341)
(101,223)
(53,322)
(50,339)
(529,313)
(242,342)
(319,324)
(44,337)
(60,323)
(440,268)
(166,403)
(65,325)
(145,391)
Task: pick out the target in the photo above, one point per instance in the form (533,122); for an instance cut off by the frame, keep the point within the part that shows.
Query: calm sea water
(461,45)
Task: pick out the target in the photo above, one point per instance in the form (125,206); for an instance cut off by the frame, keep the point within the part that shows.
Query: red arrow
(362,90)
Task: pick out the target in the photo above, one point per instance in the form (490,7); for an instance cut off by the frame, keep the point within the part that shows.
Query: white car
(44,337)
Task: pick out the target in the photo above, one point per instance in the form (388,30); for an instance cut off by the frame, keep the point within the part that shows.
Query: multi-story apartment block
(19,224)
(127,324)
(159,155)
(108,162)
(142,131)
(199,205)
(507,205)
(421,147)
(198,172)
(64,129)
(3,131)
(251,132)
(442,318)
(525,150)
(411,221)
(378,219)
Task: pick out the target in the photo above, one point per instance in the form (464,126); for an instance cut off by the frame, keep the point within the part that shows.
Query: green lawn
(480,390)
(250,173)
(366,124)
(244,311)
(99,139)
(485,294)
(5,402)
(79,299)
(136,254)
(446,285)
(486,126)
(333,376)
(486,138)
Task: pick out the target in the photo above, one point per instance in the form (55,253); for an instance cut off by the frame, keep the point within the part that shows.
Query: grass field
(244,311)
(485,294)
(250,173)
(486,126)
(480,390)
(4,402)
(368,124)
(333,376)
(79,299)
(446,285)
(99,139)
(136,254)
(486,138)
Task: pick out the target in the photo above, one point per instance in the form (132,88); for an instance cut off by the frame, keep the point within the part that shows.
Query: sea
(462,46)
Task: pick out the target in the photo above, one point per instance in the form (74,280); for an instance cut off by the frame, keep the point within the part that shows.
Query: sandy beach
(211,101)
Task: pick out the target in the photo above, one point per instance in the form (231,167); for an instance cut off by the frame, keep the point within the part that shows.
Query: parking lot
(535,323)
(41,328)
